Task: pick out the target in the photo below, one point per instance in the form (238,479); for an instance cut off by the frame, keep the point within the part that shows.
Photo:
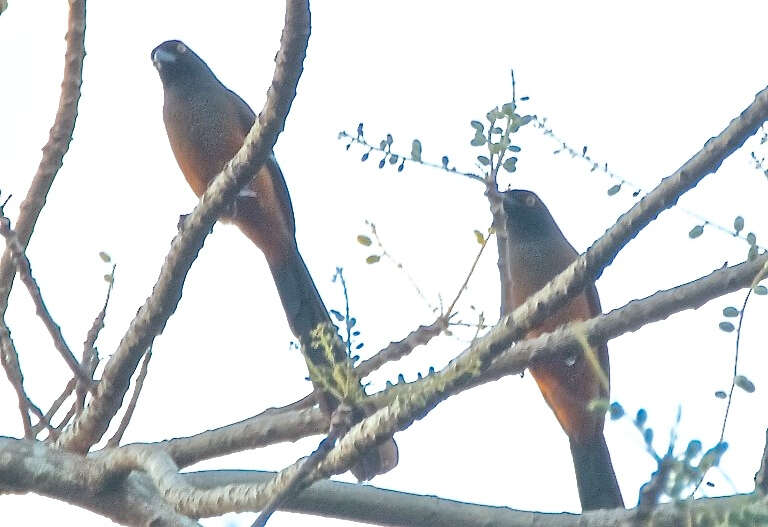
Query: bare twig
(9,359)
(117,437)
(90,358)
(153,315)
(46,421)
(25,273)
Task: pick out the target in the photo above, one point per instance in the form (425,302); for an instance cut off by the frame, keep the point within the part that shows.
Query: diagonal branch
(20,260)
(57,146)
(153,315)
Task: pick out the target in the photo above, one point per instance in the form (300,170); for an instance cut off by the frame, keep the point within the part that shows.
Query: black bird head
(527,216)
(177,64)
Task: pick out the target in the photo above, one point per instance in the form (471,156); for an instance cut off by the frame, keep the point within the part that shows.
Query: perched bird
(536,251)
(207,124)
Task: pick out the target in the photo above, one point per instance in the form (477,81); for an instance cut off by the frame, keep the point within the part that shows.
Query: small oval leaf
(730,312)
(744,383)
(416,150)
(105,257)
(614,190)
(760,290)
(372,259)
(738,223)
(696,231)
(726,326)
(479,237)
(362,239)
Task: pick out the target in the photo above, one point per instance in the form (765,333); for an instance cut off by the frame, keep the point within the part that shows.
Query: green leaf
(745,384)
(477,125)
(720,394)
(382,144)
(614,190)
(479,237)
(738,223)
(495,148)
(444,161)
(526,119)
(751,238)
(760,290)
(389,139)
(616,411)
(336,314)
(416,150)
(509,164)
(648,436)
(693,449)
(365,157)
(108,278)
(372,259)
(730,312)
(104,257)
(508,109)
(726,326)
(752,252)
(362,239)
(483,160)
(478,140)
(513,148)
(696,231)
(641,418)
(393,159)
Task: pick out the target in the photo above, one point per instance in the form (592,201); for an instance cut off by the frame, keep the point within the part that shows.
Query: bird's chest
(203,137)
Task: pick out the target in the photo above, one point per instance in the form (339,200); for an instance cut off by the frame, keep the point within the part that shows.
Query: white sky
(644,85)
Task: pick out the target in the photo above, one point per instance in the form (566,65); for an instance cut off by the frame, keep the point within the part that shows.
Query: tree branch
(57,146)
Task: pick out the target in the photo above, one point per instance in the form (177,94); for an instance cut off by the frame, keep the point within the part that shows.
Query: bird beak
(161,56)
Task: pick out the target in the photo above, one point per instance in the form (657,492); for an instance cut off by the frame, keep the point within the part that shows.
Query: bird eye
(530,201)
(181,48)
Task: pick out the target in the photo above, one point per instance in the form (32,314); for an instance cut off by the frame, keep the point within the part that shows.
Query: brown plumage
(206,125)
(536,252)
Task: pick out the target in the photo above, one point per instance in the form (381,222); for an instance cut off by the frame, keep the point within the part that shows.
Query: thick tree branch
(29,466)
(151,318)
(103,487)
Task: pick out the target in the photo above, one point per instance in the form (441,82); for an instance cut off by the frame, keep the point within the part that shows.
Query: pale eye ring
(181,48)
(530,201)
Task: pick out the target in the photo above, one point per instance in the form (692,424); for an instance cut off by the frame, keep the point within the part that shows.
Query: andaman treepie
(536,252)
(206,125)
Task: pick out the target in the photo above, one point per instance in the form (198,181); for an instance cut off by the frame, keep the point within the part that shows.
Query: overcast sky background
(643,84)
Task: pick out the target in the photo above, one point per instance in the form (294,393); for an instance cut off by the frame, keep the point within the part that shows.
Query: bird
(535,252)
(206,124)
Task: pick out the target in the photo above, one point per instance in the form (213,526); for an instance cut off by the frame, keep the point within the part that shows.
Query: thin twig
(118,436)
(463,287)
(359,139)
(49,415)
(9,359)
(90,358)
(25,273)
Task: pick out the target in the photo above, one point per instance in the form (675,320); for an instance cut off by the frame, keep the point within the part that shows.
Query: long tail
(595,478)
(305,310)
